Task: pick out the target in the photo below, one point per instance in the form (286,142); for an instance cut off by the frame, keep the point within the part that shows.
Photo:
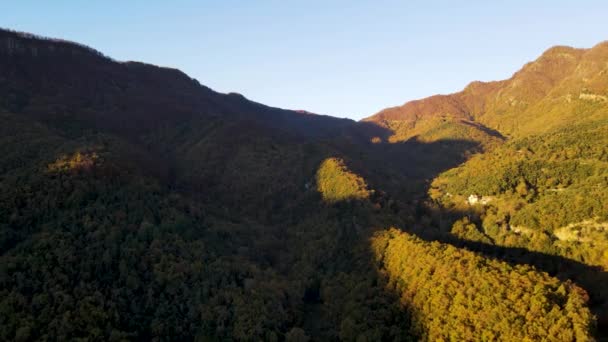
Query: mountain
(562,86)
(544,187)
(138,204)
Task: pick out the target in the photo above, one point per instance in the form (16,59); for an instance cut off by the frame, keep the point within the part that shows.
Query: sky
(341,58)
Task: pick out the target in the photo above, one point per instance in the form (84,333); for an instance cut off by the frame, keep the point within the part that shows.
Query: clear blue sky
(343,58)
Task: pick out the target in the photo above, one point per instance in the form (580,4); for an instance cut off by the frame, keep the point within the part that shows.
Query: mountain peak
(561,50)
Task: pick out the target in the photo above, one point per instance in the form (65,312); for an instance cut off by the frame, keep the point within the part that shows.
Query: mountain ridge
(498,105)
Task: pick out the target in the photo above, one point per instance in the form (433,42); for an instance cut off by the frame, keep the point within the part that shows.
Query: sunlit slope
(456,295)
(555,184)
(562,86)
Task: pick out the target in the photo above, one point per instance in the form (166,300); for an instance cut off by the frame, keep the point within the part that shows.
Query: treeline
(13,36)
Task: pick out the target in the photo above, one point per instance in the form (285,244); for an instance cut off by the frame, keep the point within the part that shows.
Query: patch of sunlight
(593,97)
(584,231)
(454,294)
(336,183)
(77,161)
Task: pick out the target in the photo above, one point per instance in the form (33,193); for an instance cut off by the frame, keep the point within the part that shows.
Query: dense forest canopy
(137,204)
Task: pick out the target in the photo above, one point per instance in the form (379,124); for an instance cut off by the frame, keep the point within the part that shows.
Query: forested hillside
(138,204)
(542,187)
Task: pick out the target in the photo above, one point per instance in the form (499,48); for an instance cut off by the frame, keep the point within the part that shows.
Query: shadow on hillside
(156,113)
(404,168)
(403,171)
(487,130)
